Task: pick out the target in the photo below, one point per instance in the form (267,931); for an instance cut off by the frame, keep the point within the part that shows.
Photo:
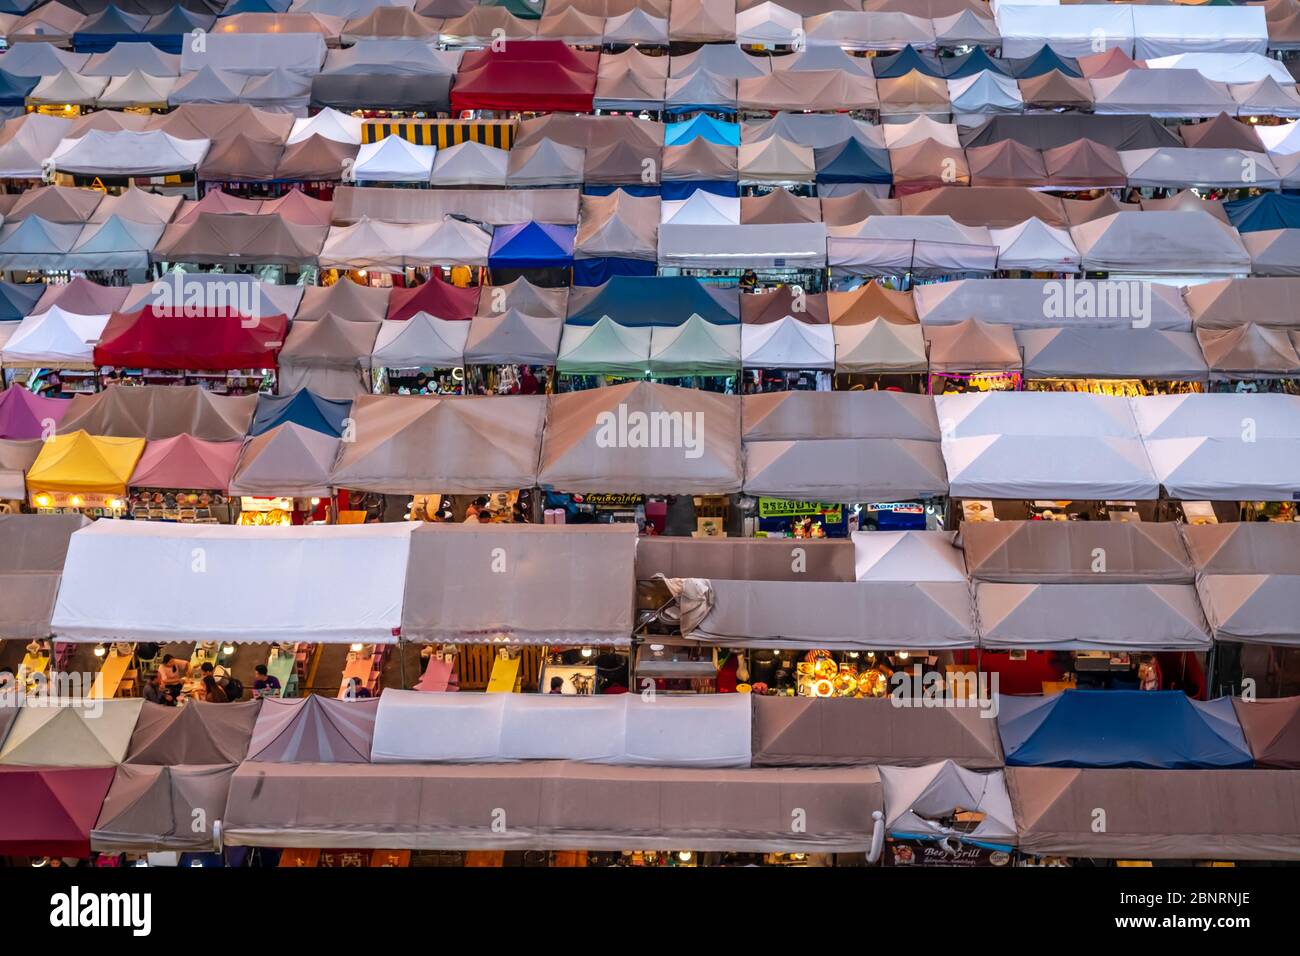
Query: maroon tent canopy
(219,341)
(49,811)
(442,300)
(534,75)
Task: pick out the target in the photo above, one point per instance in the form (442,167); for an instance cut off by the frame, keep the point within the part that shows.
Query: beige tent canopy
(973,346)
(842,446)
(32,549)
(198,733)
(1075,552)
(1111,353)
(155,412)
(72,733)
(745,559)
(313,729)
(285,460)
(642,436)
(552,805)
(1226,303)
(1248,579)
(155,808)
(807,731)
(1158,814)
(618,225)
(16,458)
(346,300)
(452,445)
(524,296)
(1249,352)
(879,346)
(331,356)
(557,585)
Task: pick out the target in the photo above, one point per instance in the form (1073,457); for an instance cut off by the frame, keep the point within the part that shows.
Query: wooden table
(279,666)
(109,678)
(359,668)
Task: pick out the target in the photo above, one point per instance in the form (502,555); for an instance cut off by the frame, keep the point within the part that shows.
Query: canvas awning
(224,238)
(1249,352)
(646,437)
(313,729)
(1168,814)
(1047,303)
(32,551)
(200,734)
(453,445)
(162,339)
(286,460)
(25,415)
(1124,353)
(653,300)
(1248,579)
(1196,448)
(1227,303)
(128,153)
(330,356)
(78,463)
(563,806)
(336,585)
(156,412)
(1044,445)
(395,246)
(745,559)
(71,732)
(1068,552)
(1272,728)
(712,730)
(421,341)
(186,462)
(48,811)
(155,808)
(695,347)
(325,415)
(1179,243)
(919,802)
(927,245)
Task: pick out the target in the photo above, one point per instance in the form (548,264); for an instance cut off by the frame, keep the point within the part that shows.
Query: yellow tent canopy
(84,463)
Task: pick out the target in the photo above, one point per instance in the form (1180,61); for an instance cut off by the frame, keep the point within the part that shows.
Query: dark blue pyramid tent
(98,33)
(852,162)
(1044,61)
(976,61)
(655,300)
(702,126)
(16,7)
(1264,212)
(14,89)
(532,245)
(682,188)
(168,31)
(18,299)
(1163,730)
(903,63)
(256,6)
(600,270)
(304,408)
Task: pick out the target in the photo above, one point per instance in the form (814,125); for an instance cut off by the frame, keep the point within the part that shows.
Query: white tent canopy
(1073,30)
(787,343)
(1043,445)
(907,556)
(128,153)
(330,124)
(1225,67)
(54,339)
(471,164)
(394,160)
(217,582)
(711,730)
(1223,446)
(421,341)
(918,798)
(1160,31)
(1034,246)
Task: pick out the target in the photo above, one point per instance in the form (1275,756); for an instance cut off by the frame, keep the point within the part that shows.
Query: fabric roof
(152,338)
(972,346)
(338,584)
(71,733)
(420,341)
(513,337)
(1111,353)
(1272,728)
(303,407)
(31,564)
(695,347)
(1247,580)
(23,414)
(1066,552)
(286,459)
(313,729)
(919,801)
(78,463)
(156,412)
(199,734)
(50,812)
(154,808)
(186,462)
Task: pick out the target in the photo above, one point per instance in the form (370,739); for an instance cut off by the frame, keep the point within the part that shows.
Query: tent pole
(401,660)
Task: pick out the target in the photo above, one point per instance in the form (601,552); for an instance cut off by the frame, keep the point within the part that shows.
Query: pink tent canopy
(186,462)
(22,414)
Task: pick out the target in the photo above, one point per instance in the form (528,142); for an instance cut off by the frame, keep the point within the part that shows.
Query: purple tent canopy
(23,414)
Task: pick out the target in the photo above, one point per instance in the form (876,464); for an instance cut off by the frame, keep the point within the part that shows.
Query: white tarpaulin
(713,730)
(1074,30)
(1043,445)
(1223,446)
(1225,67)
(128,153)
(918,799)
(907,556)
(787,343)
(54,339)
(1160,31)
(145,580)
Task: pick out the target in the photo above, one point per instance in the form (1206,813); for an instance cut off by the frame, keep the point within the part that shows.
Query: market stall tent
(32,550)
(1272,728)
(25,415)
(1164,815)
(605,348)
(1123,353)
(154,338)
(303,407)
(287,459)
(330,356)
(155,808)
(513,337)
(879,347)
(711,730)
(1248,580)
(919,799)
(186,462)
(313,729)
(1036,445)
(421,341)
(1045,303)
(128,153)
(46,811)
(76,462)
(198,733)
(450,445)
(71,733)
(1065,552)
(1196,448)
(156,412)
(695,347)
(334,585)
(1116,728)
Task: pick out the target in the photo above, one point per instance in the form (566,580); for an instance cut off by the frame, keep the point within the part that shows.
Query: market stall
(157,412)
(78,471)
(282,475)
(48,811)
(71,733)
(183,479)
(943,814)
(313,729)
(32,551)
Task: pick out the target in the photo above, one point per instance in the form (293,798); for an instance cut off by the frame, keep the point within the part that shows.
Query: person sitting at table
(211,692)
(355,690)
(222,677)
(171,673)
(265,684)
(156,693)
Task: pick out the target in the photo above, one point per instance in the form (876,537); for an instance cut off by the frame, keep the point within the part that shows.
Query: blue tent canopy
(14,89)
(532,245)
(976,61)
(632,189)
(903,63)
(168,31)
(1162,730)
(1264,212)
(304,408)
(655,300)
(852,162)
(682,188)
(256,6)
(601,270)
(98,33)
(18,299)
(1044,61)
(702,126)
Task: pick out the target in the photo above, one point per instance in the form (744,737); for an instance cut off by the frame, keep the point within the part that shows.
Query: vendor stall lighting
(42,501)
(228,649)
(356,648)
(115,504)
(588,652)
(902,655)
(100,650)
(684,856)
(76,501)
(657,648)
(315,502)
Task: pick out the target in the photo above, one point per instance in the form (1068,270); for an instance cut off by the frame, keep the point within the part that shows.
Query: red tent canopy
(532,75)
(50,811)
(440,299)
(213,341)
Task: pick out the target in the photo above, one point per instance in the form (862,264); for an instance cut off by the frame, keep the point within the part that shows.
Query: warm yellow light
(100,650)
(42,501)
(76,501)
(356,648)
